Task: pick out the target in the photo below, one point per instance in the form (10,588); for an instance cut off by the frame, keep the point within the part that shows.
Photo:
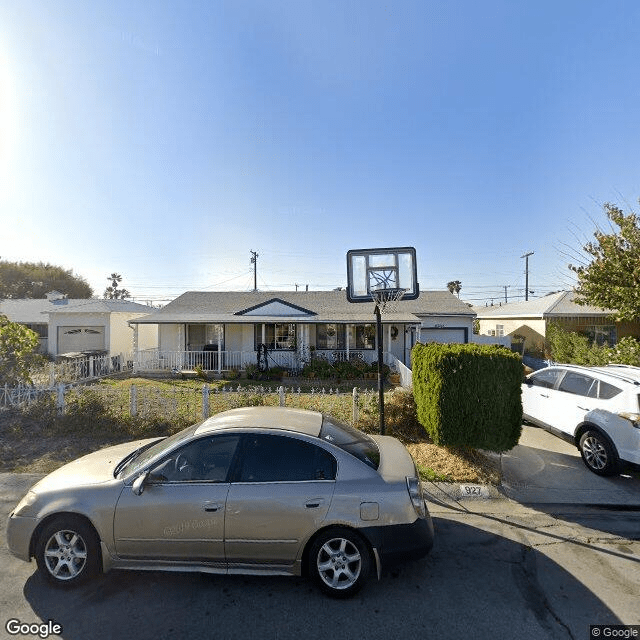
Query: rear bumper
(401,542)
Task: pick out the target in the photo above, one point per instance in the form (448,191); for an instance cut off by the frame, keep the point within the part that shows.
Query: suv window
(272,458)
(608,391)
(579,384)
(545,378)
(351,440)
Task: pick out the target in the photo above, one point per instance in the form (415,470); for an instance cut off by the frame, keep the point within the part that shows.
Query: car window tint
(205,460)
(351,440)
(579,384)
(546,378)
(271,458)
(608,391)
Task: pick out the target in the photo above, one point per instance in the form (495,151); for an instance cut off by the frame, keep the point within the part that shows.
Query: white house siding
(169,337)
(122,334)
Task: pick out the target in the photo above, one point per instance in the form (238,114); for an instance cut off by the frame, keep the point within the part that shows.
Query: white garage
(444,335)
(74,339)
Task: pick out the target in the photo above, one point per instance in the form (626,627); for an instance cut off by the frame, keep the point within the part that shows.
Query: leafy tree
(612,279)
(454,287)
(18,347)
(36,279)
(112,292)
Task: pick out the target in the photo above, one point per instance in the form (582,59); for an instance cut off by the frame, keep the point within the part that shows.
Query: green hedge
(468,395)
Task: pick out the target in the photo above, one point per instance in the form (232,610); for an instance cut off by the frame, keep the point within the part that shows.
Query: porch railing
(159,360)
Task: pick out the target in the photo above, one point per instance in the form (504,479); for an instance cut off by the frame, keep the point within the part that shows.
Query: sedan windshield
(144,454)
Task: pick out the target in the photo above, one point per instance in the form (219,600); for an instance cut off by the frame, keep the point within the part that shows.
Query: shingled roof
(560,304)
(305,306)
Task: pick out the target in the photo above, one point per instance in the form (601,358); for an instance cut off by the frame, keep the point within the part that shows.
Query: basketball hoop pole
(380,380)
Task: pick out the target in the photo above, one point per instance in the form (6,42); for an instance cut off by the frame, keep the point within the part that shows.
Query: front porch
(156,360)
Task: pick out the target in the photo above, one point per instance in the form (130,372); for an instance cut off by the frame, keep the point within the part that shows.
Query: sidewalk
(542,470)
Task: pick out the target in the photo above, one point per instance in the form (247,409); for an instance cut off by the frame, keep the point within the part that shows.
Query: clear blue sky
(165,140)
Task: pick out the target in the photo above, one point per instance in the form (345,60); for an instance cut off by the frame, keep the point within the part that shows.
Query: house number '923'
(438,326)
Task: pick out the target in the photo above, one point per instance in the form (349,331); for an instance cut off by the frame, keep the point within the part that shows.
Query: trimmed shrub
(468,395)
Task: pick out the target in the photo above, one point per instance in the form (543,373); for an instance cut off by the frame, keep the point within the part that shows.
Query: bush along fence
(185,405)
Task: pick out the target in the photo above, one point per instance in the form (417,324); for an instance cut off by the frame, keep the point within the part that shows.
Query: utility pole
(526,276)
(506,301)
(254,262)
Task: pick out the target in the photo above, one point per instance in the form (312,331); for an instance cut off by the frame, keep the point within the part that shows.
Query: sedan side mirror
(138,484)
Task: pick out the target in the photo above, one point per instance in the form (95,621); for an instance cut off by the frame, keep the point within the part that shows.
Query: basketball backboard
(374,270)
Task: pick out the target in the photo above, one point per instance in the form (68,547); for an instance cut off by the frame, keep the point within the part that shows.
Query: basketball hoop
(386,300)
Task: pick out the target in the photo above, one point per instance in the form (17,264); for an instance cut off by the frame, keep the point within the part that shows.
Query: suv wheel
(598,453)
(340,562)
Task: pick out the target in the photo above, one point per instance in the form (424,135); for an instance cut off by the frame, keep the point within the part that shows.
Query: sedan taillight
(414,486)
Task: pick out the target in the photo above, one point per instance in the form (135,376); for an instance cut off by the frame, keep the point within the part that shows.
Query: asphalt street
(547,566)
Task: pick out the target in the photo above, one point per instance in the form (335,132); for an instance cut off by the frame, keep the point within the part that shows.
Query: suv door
(538,396)
(279,497)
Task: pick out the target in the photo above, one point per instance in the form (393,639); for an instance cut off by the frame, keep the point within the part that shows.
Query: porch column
(346,339)
(182,346)
(136,354)
(220,333)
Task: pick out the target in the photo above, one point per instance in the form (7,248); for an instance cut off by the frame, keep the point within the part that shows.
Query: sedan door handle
(210,506)
(584,408)
(544,395)
(314,503)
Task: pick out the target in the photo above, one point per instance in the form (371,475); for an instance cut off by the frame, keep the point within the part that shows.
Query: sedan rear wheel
(598,454)
(340,562)
(67,551)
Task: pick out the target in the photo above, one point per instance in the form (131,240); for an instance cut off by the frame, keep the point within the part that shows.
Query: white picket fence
(144,400)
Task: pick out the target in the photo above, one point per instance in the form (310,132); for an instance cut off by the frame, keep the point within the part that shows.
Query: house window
(41,329)
(333,336)
(330,336)
(605,334)
(199,335)
(279,336)
(500,330)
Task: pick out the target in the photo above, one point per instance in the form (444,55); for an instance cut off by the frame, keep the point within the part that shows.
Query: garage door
(72,339)
(444,336)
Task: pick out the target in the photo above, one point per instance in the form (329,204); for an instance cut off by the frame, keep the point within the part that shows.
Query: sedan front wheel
(67,551)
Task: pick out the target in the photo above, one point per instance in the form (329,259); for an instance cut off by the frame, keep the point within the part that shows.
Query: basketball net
(386,300)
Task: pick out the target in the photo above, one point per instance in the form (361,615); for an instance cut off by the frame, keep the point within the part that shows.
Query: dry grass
(442,464)
(37,444)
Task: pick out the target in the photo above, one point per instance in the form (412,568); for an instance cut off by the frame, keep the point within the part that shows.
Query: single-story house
(224,330)
(527,322)
(81,325)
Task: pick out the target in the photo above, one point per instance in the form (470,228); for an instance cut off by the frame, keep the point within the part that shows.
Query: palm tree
(112,292)
(454,287)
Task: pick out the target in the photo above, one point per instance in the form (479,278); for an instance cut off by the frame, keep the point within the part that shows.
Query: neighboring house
(81,325)
(230,326)
(527,322)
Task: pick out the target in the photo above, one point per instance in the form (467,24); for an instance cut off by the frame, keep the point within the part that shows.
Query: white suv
(598,407)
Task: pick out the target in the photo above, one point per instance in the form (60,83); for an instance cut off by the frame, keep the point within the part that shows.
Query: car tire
(68,551)
(598,454)
(340,562)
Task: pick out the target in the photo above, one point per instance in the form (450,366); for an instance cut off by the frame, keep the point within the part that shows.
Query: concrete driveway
(544,469)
